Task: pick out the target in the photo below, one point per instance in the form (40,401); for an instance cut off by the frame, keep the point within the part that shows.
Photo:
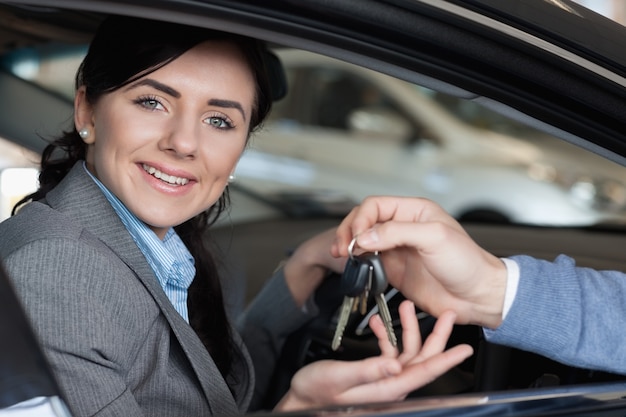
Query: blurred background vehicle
(345,132)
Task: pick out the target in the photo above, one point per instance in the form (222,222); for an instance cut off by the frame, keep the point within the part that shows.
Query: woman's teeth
(170,179)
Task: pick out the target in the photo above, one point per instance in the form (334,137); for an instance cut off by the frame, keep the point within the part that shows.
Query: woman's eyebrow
(174,93)
(228,104)
(155,84)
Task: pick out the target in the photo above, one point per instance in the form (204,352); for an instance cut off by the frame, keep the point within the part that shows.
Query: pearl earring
(84,133)
(231,178)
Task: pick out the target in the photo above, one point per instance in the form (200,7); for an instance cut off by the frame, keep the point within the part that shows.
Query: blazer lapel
(78,195)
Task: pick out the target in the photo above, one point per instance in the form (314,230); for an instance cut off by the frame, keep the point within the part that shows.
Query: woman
(109,258)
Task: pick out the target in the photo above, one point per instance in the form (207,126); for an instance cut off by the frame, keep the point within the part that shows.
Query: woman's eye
(149,103)
(218,122)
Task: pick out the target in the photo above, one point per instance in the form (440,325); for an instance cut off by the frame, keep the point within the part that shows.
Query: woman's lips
(170,179)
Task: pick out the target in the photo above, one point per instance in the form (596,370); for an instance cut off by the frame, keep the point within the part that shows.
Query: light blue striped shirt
(169,258)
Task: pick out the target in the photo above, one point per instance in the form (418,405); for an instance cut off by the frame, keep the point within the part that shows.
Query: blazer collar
(81,198)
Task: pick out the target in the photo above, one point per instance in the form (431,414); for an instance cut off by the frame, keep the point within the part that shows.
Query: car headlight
(604,194)
(585,191)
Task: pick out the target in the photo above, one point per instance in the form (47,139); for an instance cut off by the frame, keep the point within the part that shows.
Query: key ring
(351,248)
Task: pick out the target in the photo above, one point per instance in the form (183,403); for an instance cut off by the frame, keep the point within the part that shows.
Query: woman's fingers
(388,377)
(436,342)
(413,351)
(398,386)
(417,375)
(411,337)
(328,381)
(386,348)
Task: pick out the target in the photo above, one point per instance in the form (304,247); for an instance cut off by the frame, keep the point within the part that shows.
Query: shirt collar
(169,258)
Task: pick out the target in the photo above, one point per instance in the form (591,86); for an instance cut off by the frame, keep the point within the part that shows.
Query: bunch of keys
(362,276)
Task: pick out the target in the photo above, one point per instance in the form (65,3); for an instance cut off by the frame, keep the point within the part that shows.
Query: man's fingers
(421,236)
(365,219)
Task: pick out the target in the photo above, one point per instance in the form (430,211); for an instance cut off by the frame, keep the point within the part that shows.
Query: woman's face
(166,144)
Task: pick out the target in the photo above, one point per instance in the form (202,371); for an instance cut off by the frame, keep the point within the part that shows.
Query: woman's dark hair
(123,50)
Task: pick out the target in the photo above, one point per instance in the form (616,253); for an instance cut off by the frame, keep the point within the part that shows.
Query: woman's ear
(83,116)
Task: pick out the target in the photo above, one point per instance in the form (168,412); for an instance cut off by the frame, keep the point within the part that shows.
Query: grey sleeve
(71,314)
(265,325)
(571,314)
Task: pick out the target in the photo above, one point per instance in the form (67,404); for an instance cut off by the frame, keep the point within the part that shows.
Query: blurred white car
(345,132)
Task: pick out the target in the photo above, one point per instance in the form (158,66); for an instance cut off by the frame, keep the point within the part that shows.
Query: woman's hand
(388,377)
(311,262)
(428,257)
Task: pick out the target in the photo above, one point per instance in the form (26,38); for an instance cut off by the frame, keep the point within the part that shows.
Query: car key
(378,287)
(366,294)
(356,279)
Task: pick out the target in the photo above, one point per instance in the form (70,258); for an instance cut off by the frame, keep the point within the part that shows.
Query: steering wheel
(312,342)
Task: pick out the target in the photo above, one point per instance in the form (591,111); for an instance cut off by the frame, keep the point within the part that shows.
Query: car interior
(261,229)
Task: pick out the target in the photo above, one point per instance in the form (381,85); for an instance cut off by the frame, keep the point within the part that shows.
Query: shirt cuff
(512,281)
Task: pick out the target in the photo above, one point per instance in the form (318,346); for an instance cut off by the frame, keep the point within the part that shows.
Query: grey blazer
(115,342)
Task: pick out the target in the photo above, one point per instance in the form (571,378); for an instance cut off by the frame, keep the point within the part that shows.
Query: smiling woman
(108,254)
(171,123)
(117,132)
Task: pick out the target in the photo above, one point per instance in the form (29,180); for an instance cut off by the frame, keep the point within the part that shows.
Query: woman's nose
(182,137)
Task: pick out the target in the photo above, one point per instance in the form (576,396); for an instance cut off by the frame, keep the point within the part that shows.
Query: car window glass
(18,175)
(52,67)
(613,9)
(344,132)
(340,100)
